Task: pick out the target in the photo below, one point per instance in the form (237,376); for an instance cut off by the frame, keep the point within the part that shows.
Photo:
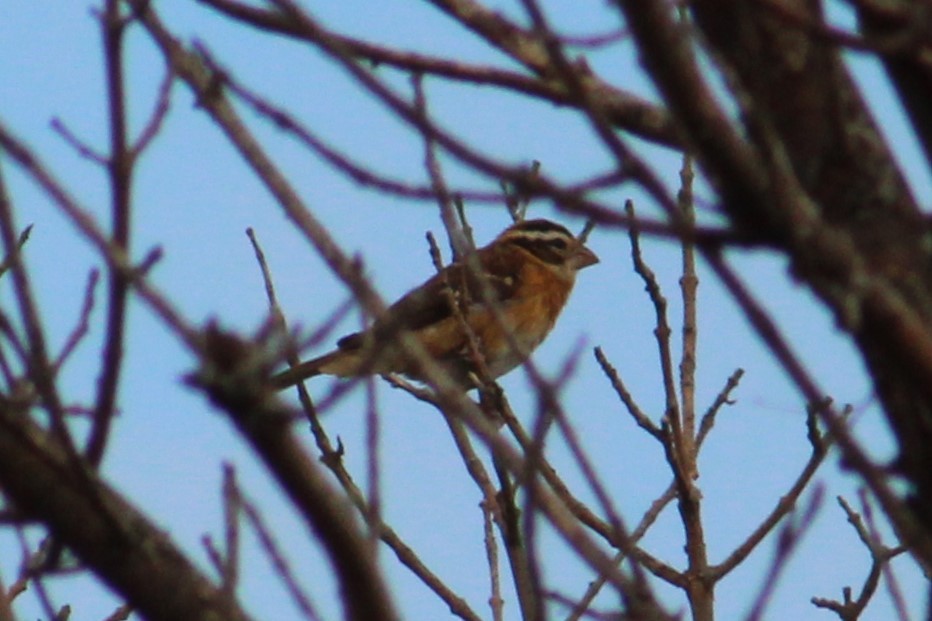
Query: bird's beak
(583,257)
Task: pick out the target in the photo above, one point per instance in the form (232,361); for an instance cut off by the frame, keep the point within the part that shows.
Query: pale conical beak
(583,257)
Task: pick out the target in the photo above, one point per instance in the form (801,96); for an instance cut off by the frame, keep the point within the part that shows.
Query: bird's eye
(557,242)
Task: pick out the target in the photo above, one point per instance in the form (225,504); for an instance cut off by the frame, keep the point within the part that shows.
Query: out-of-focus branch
(193,72)
(816,174)
(106,532)
(6,598)
(114,256)
(159,112)
(900,30)
(713,137)
(784,506)
(571,197)
(332,458)
(7,262)
(84,318)
(624,109)
(521,178)
(788,540)
(120,174)
(272,549)
(230,379)
(40,368)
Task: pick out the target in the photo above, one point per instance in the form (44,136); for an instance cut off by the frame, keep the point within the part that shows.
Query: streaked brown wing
(430,304)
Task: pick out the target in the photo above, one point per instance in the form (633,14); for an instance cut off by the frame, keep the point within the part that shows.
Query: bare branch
(39,364)
(8,259)
(111,536)
(120,172)
(274,551)
(625,109)
(81,329)
(643,421)
(689,284)
(851,609)
(156,119)
(787,542)
(232,505)
(785,505)
(83,149)
(721,399)
(496,603)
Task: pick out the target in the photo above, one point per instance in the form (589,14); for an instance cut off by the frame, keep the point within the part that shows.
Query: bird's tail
(341,363)
(296,374)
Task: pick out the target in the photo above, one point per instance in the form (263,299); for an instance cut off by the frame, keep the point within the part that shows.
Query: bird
(509,297)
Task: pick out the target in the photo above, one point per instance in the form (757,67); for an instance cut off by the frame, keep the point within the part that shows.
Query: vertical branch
(678,435)
(496,603)
(120,168)
(265,424)
(40,369)
(373,474)
(331,457)
(519,544)
(689,283)
(458,245)
(110,536)
(232,505)
(662,334)
(700,588)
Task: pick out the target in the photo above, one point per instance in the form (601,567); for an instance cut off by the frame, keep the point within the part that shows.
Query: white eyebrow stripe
(539,235)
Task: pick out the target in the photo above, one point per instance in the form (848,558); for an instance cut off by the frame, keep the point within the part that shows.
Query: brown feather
(528,271)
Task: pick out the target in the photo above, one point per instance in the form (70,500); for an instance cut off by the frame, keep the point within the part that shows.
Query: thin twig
(642,420)
(787,542)
(39,364)
(851,609)
(162,104)
(784,506)
(8,260)
(662,330)
(723,398)
(282,567)
(458,245)
(232,505)
(496,603)
(84,318)
(373,472)
(83,149)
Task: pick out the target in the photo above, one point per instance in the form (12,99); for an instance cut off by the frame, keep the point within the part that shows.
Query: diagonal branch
(625,110)
(111,536)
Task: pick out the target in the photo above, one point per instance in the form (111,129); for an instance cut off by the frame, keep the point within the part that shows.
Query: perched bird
(518,286)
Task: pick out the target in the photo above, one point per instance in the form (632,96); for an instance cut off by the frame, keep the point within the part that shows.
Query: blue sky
(194,197)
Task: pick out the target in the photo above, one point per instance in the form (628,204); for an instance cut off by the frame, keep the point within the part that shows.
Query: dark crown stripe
(541,226)
(540,248)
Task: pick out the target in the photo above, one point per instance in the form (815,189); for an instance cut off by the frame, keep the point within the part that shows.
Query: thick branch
(105,531)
